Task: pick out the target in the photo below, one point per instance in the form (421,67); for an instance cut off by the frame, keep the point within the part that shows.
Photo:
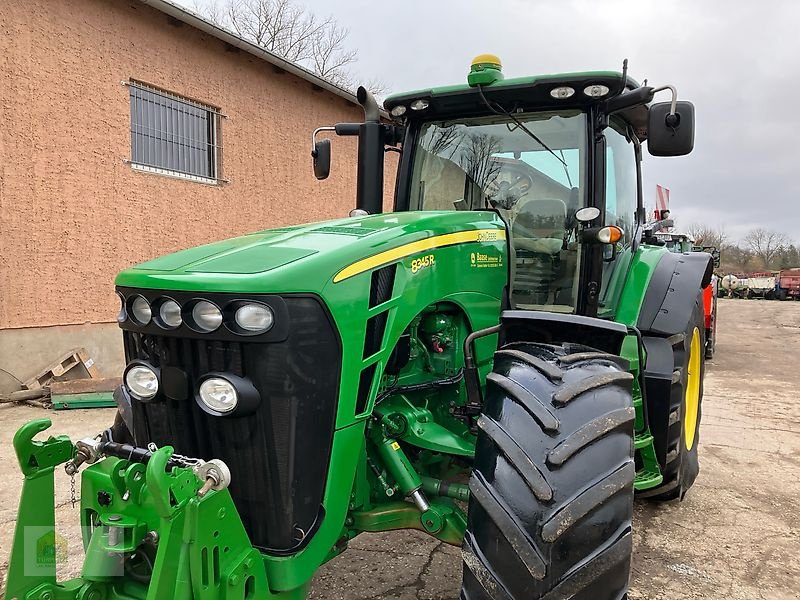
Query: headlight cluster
(239,316)
(219,394)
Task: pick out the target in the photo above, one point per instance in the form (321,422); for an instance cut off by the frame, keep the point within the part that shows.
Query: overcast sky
(738,61)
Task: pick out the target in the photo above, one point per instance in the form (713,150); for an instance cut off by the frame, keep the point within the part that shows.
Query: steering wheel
(508,187)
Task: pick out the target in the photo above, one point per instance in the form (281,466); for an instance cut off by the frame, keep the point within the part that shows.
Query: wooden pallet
(70,360)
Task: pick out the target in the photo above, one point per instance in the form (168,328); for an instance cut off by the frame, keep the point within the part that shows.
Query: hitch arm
(32,562)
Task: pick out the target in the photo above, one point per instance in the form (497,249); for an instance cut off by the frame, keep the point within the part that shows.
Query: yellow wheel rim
(692,399)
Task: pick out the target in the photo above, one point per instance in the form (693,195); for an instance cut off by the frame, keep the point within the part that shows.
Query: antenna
(624,73)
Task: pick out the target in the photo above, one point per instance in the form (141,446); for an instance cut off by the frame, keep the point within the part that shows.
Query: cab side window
(622,200)
(621,183)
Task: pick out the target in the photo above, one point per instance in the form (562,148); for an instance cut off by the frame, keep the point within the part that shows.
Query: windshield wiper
(504,113)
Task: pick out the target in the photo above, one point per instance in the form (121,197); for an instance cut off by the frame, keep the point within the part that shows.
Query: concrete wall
(73,213)
(27,351)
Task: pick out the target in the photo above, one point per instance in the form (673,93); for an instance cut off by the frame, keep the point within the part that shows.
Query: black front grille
(278,455)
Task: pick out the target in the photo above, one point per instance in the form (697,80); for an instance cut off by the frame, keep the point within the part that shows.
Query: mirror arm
(641,95)
(652,228)
(314,138)
(674,104)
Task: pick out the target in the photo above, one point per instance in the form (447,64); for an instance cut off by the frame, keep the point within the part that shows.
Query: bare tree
(330,58)
(766,244)
(290,31)
(704,235)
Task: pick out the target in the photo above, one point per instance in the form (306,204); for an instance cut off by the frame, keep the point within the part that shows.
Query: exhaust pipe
(371,141)
(372,113)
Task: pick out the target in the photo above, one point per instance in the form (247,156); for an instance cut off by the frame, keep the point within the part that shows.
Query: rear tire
(682,461)
(552,488)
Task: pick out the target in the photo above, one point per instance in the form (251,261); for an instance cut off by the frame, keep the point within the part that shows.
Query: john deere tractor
(500,363)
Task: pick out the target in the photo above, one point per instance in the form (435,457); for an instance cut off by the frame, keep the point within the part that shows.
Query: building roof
(193,19)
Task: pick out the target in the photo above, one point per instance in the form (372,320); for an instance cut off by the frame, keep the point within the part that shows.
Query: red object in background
(708,304)
(662,201)
(789,280)
(710,315)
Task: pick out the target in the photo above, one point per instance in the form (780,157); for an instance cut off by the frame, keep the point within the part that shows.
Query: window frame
(214,118)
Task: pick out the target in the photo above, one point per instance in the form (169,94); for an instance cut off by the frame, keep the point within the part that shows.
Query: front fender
(555,328)
(672,292)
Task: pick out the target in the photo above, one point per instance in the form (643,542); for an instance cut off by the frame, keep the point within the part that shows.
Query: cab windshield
(529,168)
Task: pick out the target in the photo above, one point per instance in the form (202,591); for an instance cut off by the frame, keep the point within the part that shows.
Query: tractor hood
(306,258)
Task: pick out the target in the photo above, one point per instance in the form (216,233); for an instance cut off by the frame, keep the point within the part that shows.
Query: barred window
(174,135)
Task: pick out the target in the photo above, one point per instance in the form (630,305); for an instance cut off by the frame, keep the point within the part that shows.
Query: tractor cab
(556,156)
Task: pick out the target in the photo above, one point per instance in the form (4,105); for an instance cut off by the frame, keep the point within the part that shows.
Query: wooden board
(84,386)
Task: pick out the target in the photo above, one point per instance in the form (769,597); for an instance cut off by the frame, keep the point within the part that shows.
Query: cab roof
(521,93)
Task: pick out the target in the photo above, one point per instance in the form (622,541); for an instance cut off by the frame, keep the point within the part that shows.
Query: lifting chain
(178,460)
(73,496)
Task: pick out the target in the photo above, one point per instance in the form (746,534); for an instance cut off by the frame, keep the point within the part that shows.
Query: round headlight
(122,314)
(170,313)
(420,104)
(141,310)
(254,317)
(206,316)
(218,394)
(398,111)
(142,382)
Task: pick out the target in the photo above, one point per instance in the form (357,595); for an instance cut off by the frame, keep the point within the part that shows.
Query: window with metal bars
(172,135)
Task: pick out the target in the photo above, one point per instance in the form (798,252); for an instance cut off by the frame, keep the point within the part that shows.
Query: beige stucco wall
(72,213)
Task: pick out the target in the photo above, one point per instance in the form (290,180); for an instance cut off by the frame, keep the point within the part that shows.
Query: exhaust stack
(371,141)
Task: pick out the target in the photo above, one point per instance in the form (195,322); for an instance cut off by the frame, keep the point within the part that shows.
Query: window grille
(172,135)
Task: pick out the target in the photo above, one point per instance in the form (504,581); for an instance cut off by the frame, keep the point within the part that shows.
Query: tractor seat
(537,236)
(539,226)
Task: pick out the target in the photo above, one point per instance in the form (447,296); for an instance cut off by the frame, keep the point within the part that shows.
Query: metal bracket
(35,456)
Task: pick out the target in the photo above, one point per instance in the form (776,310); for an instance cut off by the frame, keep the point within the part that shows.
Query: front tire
(552,487)
(686,398)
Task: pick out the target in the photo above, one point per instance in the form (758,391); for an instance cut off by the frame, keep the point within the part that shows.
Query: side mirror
(659,225)
(670,134)
(322,158)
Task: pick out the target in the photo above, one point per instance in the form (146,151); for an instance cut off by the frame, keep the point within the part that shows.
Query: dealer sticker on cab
(481,260)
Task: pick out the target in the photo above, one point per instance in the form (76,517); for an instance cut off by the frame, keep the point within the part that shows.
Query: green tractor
(500,363)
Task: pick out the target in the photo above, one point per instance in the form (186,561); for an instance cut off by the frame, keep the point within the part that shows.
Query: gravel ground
(735,537)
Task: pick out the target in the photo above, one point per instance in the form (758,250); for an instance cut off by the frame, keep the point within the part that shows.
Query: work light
(140,309)
(170,314)
(254,318)
(596,90)
(562,92)
(206,316)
